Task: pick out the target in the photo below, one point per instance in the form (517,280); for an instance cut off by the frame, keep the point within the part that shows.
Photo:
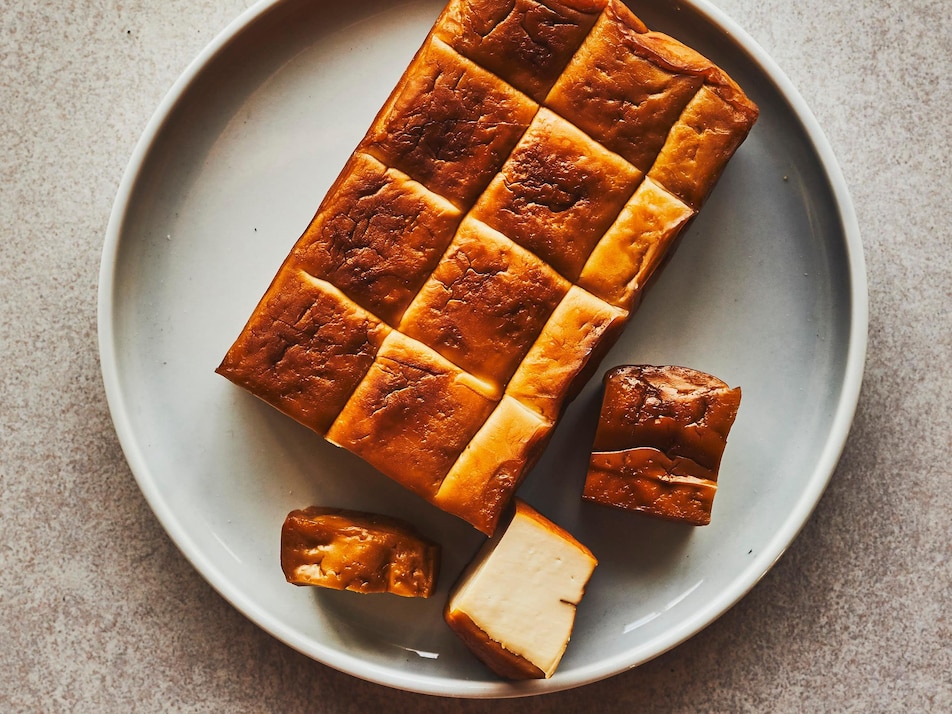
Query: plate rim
(840,425)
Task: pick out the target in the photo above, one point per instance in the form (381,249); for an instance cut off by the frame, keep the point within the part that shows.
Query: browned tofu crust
(661,435)
(351,241)
(557,193)
(488,239)
(526,43)
(363,552)
(413,414)
(449,124)
(485,303)
(304,339)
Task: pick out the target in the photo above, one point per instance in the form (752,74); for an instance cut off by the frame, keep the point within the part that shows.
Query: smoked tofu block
(659,442)
(362,552)
(514,606)
(487,240)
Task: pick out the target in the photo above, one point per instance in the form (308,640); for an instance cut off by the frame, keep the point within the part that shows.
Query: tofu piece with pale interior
(515,604)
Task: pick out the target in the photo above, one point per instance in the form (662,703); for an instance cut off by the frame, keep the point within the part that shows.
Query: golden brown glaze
(362,552)
(616,90)
(413,414)
(489,236)
(351,242)
(485,303)
(630,252)
(568,350)
(644,479)
(557,193)
(304,349)
(699,145)
(494,463)
(524,42)
(660,438)
(450,124)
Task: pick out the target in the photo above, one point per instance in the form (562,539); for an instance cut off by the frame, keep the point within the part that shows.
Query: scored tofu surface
(363,552)
(488,239)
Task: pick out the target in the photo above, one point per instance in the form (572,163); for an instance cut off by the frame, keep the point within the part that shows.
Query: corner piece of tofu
(515,604)
(363,552)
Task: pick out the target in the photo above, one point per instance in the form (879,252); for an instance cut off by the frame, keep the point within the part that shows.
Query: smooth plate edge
(797,518)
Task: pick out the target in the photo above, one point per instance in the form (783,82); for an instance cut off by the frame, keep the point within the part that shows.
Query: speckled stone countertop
(100,612)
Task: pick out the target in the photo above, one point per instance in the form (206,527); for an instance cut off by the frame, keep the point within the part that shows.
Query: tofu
(557,193)
(527,43)
(629,254)
(413,414)
(515,605)
(362,552)
(627,86)
(351,242)
(449,124)
(571,345)
(487,240)
(661,434)
(493,464)
(485,303)
(305,349)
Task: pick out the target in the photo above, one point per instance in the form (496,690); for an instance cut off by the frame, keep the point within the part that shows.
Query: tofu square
(413,414)
(494,463)
(563,358)
(377,236)
(485,303)
(630,252)
(701,142)
(515,604)
(305,349)
(362,552)
(646,481)
(525,42)
(557,193)
(626,86)
(659,442)
(449,124)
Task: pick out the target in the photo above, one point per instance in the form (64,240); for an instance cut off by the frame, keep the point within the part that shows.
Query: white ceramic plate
(767,291)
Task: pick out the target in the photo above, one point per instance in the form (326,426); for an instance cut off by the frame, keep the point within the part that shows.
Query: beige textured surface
(100,612)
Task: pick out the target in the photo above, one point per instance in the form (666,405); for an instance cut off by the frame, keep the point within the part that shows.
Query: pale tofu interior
(524,591)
